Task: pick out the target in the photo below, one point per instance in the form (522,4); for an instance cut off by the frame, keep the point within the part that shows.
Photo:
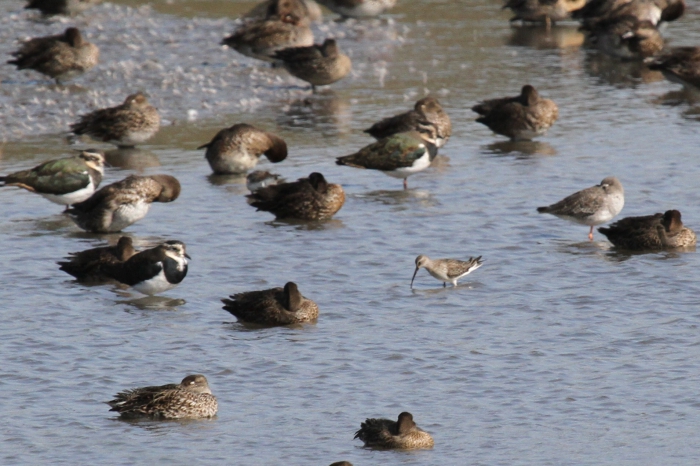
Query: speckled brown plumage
(238,148)
(61,57)
(309,198)
(427,109)
(653,11)
(120,204)
(190,399)
(87,265)
(318,65)
(522,117)
(262,38)
(680,64)
(403,434)
(276,306)
(133,122)
(651,232)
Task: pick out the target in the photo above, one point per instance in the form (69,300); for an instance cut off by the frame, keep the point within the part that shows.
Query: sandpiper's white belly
(155,285)
(127,214)
(367,8)
(418,165)
(72,198)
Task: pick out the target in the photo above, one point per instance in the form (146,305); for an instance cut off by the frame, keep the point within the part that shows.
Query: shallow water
(557,351)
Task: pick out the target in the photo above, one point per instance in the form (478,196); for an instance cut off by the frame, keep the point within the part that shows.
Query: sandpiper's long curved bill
(414,276)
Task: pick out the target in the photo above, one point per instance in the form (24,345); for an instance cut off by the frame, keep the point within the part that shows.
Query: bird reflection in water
(540,38)
(152,303)
(324,111)
(619,73)
(131,158)
(520,148)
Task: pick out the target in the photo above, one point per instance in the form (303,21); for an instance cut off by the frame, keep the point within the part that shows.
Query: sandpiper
(653,11)
(651,232)
(262,38)
(60,57)
(311,198)
(591,206)
(63,181)
(261,179)
(276,306)
(358,8)
(154,270)
(87,265)
(447,270)
(427,109)
(191,398)
(627,37)
(133,122)
(543,11)
(680,65)
(61,7)
(318,65)
(238,148)
(398,156)
(521,117)
(403,434)
(118,205)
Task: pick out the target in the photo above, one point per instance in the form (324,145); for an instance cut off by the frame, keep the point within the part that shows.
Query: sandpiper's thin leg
(590,234)
(444,284)
(313,89)
(548,22)
(405,183)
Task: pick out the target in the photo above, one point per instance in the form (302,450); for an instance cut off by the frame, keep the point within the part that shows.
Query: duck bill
(414,276)
(188,256)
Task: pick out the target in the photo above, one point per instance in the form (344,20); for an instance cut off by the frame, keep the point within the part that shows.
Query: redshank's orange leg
(590,234)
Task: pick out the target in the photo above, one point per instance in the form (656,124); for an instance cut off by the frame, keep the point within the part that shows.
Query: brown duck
(427,109)
(403,434)
(680,64)
(311,198)
(60,57)
(276,306)
(650,232)
(522,117)
(318,65)
(88,265)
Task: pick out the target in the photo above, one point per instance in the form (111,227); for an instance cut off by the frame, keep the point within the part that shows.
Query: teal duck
(262,38)
(358,8)
(398,156)
(427,109)
(447,270)
(318,65)
(591,206)
(522,117)
(403,434)
(60,57)
(276,306)
(679,64)
(190,399)
(311,198)
(238,148)
(63,181)
(118,205)
(651,232)
(133,122)
(152,271)
(61,7)
(87,265)
(626,37)
(543,11)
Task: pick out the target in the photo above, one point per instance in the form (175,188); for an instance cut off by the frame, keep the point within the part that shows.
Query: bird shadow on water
(402,197)
(57,223)
(132,159)
(619,73)
(161,426)
(235,184)
(541,38)
(447,289)
(521,149)
(153,303)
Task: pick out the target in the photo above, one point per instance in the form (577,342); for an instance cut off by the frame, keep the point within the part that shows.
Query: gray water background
(557,351)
